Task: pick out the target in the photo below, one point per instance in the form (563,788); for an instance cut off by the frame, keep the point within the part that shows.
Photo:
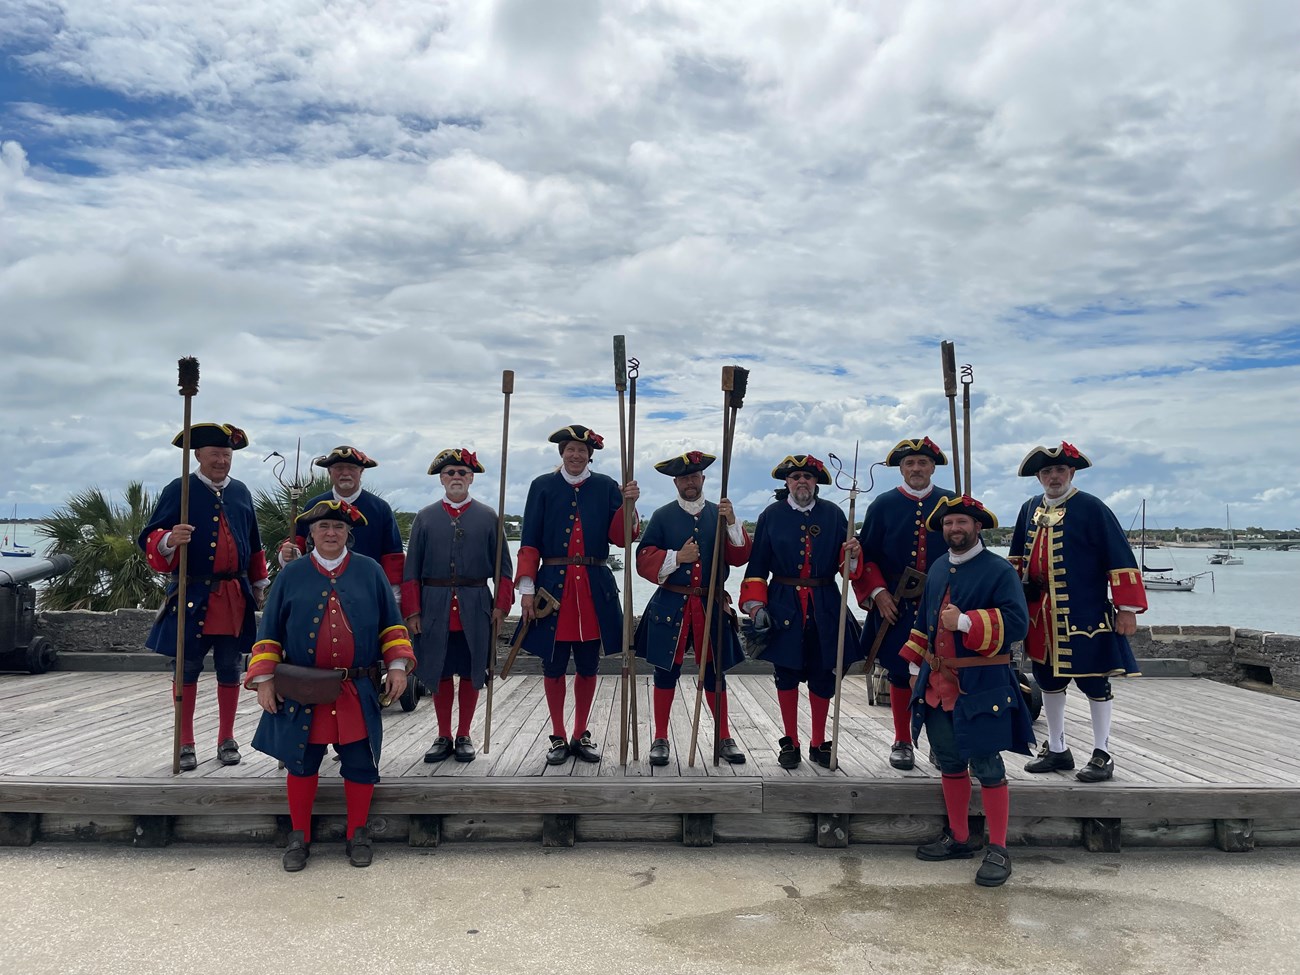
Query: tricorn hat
(346,455)
(802,462)
(456,455)
(579,433)
(213,435)
(691,462)
(962,504)
(330,510)
(925,447)
(1040,457)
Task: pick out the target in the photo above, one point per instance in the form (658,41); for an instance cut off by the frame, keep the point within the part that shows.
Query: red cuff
(917,642)
(157,561)
(505,595)
(394,566)
(649,560)
(753,590)
(530,559)
(986,633)
(410,599)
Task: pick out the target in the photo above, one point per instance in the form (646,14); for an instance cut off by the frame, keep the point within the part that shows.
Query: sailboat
(1230,557)
(1152,579)
(11,549)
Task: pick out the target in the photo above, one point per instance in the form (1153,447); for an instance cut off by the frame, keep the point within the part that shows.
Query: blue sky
(357,216)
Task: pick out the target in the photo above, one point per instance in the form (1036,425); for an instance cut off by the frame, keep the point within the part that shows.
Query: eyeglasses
(457,472)
(801,476)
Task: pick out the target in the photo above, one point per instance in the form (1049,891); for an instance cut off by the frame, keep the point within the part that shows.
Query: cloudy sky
(357,214)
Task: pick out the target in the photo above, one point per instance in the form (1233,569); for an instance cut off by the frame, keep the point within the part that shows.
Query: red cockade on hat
(468,458)
(596,439)
(349,510)
(695,456)
(236,436)
(927,442)
(1069,449)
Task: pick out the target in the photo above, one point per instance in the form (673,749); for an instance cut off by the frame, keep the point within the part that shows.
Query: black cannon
(20,647)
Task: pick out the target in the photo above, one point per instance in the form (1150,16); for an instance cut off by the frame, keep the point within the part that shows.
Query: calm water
(1262,594)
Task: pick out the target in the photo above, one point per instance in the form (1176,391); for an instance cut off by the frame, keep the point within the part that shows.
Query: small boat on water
(10,548)
(1229,557)
(1154,580)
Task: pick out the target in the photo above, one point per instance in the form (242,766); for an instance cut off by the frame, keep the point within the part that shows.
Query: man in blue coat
(676,553)
(799,542)
(226,578)
(571,518)
(895,538)
(333,612)
(451,559)
(966,693)
(379,538)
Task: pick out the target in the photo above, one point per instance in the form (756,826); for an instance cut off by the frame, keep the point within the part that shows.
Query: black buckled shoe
(296,853)
(360,851)
(944,848)
(902,756)
(439,750)
(821,754)
(559,752)
(1050,761)
(228,752)
(731,752)
(1099,768)
(659,751)
(789,755)
(995,869)
(465,751)
(189,761)
(585,748)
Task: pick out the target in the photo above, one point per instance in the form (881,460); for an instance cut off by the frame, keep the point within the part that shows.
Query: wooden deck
(87,756)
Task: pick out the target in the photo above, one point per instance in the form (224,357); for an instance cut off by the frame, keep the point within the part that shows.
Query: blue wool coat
(780,538)
(660,628)
(205,510)
(990,715)
(290,620)
(890,531)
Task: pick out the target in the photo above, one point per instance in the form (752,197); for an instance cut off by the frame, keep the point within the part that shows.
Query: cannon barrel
(33,570)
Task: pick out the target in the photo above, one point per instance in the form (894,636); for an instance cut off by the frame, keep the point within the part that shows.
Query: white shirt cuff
(669,566)
(526,587)
(964,623)
(914,669)
(736,534)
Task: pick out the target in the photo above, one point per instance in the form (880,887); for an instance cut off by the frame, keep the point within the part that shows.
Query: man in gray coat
(450,561)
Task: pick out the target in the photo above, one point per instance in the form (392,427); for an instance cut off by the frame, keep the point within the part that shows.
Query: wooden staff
(735,382)
(844,613)
(507,387)
(949,356)
(967,377)
(188,381)
(625,687)
(633,371)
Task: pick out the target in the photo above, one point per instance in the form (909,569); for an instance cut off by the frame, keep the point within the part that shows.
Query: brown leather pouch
(308,685)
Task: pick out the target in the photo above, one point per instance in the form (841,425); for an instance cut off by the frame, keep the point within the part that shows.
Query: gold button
(190,605)
(216,517)
(573,504)
(995,707)
(306,727)
(214,544)
(315,619)
(335,712)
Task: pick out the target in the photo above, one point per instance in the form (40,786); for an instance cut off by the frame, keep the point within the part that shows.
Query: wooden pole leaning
(844,612)
(188,381)
(620,384)
(948,353)
(507,388)
(628,556)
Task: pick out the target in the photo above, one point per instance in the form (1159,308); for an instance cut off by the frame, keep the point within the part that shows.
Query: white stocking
(1054,706)
(1101,711)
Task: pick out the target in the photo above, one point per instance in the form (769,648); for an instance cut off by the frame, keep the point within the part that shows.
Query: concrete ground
(634,908)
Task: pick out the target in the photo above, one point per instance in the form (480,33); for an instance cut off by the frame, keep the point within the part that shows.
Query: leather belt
(352,673)
(574,560)
(699,591)
(455,582)
(812,582)
(947,666)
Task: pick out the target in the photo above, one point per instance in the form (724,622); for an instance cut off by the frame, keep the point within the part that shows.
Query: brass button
(995,707)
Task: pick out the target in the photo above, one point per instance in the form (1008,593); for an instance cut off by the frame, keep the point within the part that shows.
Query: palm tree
(109,570)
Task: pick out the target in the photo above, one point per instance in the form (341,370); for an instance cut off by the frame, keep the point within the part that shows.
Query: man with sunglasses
(676,553)
(571,518)
(895,538)
(226,581)
(378,538)
(800,542)
(450,561)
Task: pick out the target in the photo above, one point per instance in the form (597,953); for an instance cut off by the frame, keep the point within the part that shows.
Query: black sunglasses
(802,476)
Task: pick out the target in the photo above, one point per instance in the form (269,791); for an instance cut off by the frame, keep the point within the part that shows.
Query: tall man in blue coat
(332,611)
(894,538)
(799,542)
(451,559)
(676,553)
(571,518)
(226,582)
(966,693)
(1069,550)
(379,538)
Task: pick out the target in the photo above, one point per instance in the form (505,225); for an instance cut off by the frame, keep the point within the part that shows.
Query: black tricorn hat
(962,504)
(346,455)
(213,435)
(456,455)
(1040,457)
(579,433)
(802,462)
(330,510)
(691,462)
(925,447)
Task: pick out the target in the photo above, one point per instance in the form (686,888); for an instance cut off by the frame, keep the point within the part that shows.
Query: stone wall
(1223,653)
